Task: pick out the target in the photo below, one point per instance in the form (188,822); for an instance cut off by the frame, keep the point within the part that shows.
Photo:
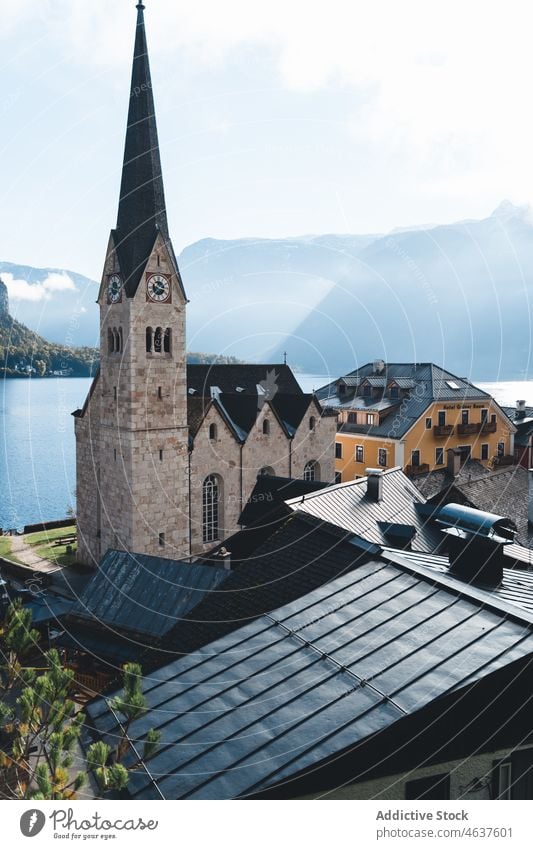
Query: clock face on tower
(114,289)
(158,288)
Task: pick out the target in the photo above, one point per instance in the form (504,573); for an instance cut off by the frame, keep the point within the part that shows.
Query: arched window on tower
(266,427)
(212,431)
(211,500)
(120,340)
(312,423)
(311,471)
(167,341)
(116,341)
(158,340)
(149,335)
(110,341)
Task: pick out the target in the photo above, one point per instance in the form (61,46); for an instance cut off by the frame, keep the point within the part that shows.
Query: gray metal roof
(300,685)
(516,587)
(348,506)
(144,594)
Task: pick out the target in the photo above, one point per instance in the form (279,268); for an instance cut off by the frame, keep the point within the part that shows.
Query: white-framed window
(484,450)
(442,418)
(369,418)
(465,415)
(501,449)
(311,471)
(338,450)
(359,454)
(415,457)
(382,456)
(428,423)
(210,508)
(439,456)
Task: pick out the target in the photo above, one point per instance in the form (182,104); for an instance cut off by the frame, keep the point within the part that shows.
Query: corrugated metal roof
(143,594)
(348,506)
(516,587)
(298,686)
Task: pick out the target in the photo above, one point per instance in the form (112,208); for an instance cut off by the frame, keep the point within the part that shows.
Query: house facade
(166,454)
(408,415)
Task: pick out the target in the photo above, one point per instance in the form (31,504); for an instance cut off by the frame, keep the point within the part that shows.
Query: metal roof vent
(476,542)
(374,484)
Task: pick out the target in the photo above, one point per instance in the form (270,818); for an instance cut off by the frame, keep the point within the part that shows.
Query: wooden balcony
(467,429)
(442,430)
(488,427)
(423,469)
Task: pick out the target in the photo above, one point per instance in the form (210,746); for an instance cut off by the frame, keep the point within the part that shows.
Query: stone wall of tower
(144,442)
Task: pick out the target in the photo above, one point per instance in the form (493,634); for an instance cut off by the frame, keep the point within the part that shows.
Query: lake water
(37,447)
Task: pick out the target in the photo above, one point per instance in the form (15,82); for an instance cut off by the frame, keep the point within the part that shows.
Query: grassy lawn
(5,549)
(45,544)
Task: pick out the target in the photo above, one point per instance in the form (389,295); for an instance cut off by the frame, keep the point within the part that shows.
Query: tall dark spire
(141,210)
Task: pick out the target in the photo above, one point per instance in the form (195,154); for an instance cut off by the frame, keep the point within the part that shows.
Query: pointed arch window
(158,340)
(149,338)
(167,341)
(211,499)
(311,471)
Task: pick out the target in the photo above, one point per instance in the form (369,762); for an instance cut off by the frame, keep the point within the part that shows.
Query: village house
(408,414)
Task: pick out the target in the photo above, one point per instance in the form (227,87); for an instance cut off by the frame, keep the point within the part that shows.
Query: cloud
(21,290)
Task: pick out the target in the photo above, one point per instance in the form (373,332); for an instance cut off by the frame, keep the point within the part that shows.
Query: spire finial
(140,6)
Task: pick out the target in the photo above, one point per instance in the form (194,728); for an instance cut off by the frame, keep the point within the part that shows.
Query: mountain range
(456,294)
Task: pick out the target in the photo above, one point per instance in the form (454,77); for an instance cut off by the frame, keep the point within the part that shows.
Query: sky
(275,119)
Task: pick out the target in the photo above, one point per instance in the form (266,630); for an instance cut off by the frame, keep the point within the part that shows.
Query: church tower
(132,436)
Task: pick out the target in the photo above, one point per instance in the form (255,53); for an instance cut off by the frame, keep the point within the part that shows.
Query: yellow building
(408,415)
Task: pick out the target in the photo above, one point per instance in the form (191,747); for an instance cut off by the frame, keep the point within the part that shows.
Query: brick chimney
(454,461)
(520,409)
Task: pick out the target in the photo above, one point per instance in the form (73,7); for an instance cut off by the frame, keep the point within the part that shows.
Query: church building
(167,453)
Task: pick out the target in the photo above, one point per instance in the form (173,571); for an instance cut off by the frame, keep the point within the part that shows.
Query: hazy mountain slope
(58,304)
(457,294)
(23,352)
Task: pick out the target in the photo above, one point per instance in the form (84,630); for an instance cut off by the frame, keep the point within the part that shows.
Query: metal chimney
(476,542)
(520,409)
(374,484)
